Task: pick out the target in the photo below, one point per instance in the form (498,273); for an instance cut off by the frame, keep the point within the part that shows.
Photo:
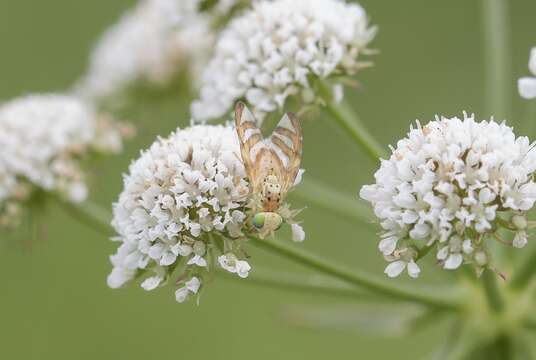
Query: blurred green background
(54,302)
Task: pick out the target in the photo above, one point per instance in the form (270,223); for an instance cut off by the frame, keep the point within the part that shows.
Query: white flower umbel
(184,206)
(153,42)
(279,49)
(452,185)
(43,139)
(527,85)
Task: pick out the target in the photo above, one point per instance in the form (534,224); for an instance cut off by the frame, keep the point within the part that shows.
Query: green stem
(89,213)
(496,27)
(525,273)
(348,207)
(424,251)
(93,215)
(354,277)
(493,294)
(351,123)
(301,283)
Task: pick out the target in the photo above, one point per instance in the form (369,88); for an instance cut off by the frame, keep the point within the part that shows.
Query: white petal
(77,192)
(409,217)
(298,234)
(527,87)
(119,276)
(151,283)
(413,269)
(228,262)
(299,177)
(468,247)
(242,269)
(453,261)
(181,295)
(182,250)
(193,284)
(532,61)
(419,231)
(200,248)
(443,253)
(168,259)
(368,192)
(520,240)
(338,93)
(395,268)
(197,260)
(388,245)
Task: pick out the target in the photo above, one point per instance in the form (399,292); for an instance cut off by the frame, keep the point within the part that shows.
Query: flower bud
(520,222)
(481,258)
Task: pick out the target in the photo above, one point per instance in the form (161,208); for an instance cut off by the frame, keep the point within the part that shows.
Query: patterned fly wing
(250,138)
(279,155)
(287,142)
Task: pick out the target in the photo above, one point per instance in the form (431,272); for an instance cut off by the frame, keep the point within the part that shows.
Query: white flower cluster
(527,85)
(43,138)
(151,43)
(278,49)
(185,204)
(183,198)
(452,185)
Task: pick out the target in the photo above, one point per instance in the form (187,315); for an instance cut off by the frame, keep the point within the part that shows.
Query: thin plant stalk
(497,65)
(96,217)
(491,289)
(93,214)
(357,278)
(348,207)
(524,274)
(353,125)
(301,283)
(496,29)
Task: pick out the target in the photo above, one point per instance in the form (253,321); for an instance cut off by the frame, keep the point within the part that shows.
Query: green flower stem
(491,288)
(348,207)
(94,216)
(458,343)
(524,274)
(424,251)
(351,123)
(354,277)
(91,214)
(496,29)
(301,283)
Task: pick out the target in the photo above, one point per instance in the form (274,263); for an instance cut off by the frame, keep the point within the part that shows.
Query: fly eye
(258,221)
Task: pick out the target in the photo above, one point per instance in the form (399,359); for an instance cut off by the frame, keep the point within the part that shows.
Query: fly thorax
(267,222)
(271,193)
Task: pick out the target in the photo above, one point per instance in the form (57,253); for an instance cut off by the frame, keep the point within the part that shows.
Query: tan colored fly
(271,164)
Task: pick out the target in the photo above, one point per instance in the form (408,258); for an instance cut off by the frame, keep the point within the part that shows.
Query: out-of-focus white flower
(186,200)
(527,85)
(43,138)
(452,185)
(151,43)
(279,49)
(298,234)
